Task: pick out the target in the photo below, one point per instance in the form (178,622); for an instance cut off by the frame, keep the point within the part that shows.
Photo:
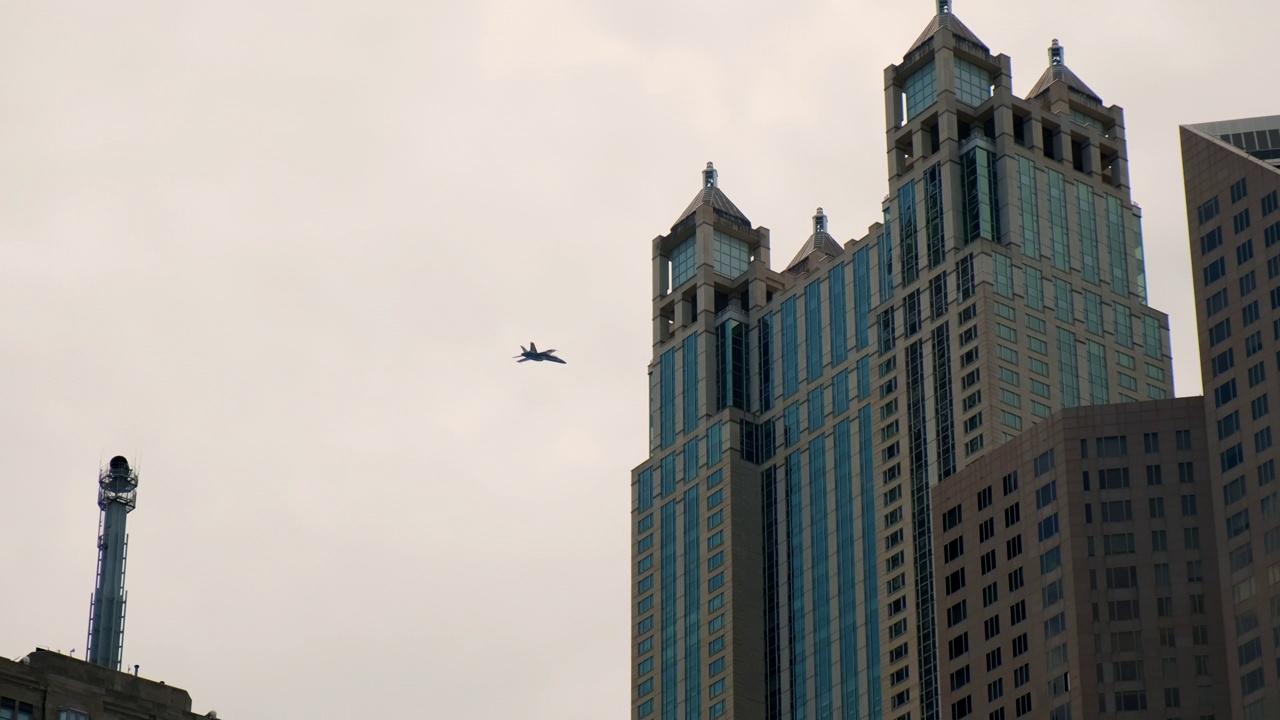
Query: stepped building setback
(783,532)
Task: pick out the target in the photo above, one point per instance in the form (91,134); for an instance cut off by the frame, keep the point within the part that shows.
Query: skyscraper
(1232,175)
(799,419)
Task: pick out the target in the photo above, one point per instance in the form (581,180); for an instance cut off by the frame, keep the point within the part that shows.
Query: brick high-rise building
(800,418)
(1232,176)
(1078,572)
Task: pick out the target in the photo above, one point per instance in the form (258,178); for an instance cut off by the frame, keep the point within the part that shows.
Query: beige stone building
(1078,571)
(46,685)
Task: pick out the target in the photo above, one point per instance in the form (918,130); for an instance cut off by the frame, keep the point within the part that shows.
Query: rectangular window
(1244,252)
(1004,275)
(1240,221)
(1215,271)
(1093,312)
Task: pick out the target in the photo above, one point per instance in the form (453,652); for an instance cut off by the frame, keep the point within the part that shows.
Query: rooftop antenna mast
(117,496)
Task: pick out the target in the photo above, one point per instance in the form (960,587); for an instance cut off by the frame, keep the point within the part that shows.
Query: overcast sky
(280,254)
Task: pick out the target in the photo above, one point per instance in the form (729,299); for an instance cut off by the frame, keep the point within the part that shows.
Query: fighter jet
(538,356)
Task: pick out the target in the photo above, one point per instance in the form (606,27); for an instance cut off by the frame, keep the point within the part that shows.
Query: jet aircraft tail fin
(533,348)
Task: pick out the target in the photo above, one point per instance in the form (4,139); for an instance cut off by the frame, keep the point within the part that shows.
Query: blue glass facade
(764,333)
(908,242)
(1028,206)
(813,330)
(1058,233)
(790,349)
(871,600)
(1088,219)
(821,577)
(692,606)
(670,670)
(1117,247)
(644,490)
(692,409)
(667,398)
(846,569)
(884,249)
(861,297)
(795,588)
(839,314)
(668,475)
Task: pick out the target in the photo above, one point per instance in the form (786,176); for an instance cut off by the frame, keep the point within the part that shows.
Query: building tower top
(1058,72)
(946,19)
(819,246)
(710,194)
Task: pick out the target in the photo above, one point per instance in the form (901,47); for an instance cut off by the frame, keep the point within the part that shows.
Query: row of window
(1064,304)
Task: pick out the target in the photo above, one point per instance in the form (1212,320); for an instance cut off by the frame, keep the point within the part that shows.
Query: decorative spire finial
(710,176)
(820,222)
(944,7)
(1056,53)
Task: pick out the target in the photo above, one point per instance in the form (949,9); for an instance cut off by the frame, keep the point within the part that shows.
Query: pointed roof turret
(820,243)
(1058,72)
(712,196)
(946,19)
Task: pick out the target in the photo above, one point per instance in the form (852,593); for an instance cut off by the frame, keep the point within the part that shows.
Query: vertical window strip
(790,349)
(1004,275)
(981,216)
(813,329)
(846,568)
(943,406)
(821,577)
(795,590)
(1152,338)
(1029,205)
(690,390)
(1058,233)
(871,588)
(772,596)
(1099,392)
(1119,253)
(1124,325)
(1034,288)
(926,635)
(667,394)
(1064,299)
(670,660)
(1068,368)
(644,490)
(861,298)
(764,333)
(937,244)
(692,606)
(907,239)
(1139,259)
(884,247)
(838,314)
(669,475)
(1088,218)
